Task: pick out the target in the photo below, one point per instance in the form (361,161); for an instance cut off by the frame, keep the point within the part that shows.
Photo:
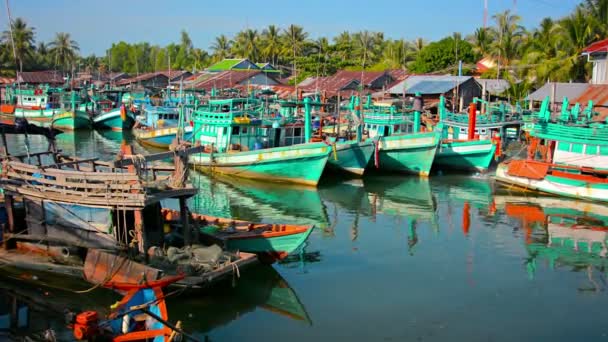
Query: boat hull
(561,186)
(474,155)
(279,245)
(351,156)
(412,153)
(298,164)
(160,138)
(71,121)
(113,121)
(41,118)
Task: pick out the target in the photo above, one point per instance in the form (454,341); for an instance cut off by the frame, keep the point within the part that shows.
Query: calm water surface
(398,259)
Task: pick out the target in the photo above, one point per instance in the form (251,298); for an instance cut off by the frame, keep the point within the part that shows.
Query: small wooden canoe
(273,240)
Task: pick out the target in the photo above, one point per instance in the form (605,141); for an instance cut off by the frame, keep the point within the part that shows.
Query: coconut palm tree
(20,39)
(294,38)
(271,44)
(577,32)
(364,45)
(481,40)
(598,10)
(509,36)
(63,49)
(221,47)
(246,44)
(344,45)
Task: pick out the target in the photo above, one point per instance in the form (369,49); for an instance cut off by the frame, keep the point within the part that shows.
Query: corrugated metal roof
(140,78)
(494,86)
(569,90)
(428,84)
(599,46)
(598,93)
(226,79)
(36,77)
(7,80)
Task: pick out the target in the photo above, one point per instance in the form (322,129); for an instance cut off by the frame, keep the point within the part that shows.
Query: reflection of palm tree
(354,229)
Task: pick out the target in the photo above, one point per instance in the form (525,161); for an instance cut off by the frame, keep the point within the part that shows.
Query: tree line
(527,58)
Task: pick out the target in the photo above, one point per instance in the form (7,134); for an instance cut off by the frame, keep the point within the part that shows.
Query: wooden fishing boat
(72,117)
(106,116)
(37,105)
(83,206)
(572,160)
(240,144)
(159,127)
(270,240)
(472,141)
(402,147)
(352,156)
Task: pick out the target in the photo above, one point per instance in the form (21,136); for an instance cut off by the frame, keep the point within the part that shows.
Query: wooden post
(337,125)
(183,210)
(483,97)
(553,91)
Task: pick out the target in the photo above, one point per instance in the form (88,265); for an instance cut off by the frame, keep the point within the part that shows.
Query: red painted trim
(164,282)
(268,234)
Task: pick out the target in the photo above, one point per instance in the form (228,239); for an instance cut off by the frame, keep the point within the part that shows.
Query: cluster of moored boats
(107,221)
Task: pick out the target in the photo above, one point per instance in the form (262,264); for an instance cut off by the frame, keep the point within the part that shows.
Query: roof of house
(367,77)
(398,74)
(494,86)
(7,80)
(226,79)
(51,77)
(428,84)
(599,46)
(231,63)
(282,91)
(176,74)
(598,93)
(569,90)
(331,85)
(140,78)
(485,64)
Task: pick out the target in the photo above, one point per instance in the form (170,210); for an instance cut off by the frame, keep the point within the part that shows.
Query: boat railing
(370,117)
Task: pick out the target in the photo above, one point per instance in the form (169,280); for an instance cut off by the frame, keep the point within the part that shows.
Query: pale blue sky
(96,24)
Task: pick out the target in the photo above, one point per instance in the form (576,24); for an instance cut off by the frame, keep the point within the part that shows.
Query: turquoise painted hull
(412,153)
(298,164)
(351,156)
(465,155)
(71,121)
(161,138)
(280,244)
(112,120)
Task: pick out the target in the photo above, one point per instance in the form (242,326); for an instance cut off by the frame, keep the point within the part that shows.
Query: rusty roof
(598,93)
(140,78)
(341,81)
(398,74)
(282,91)
(176,74)
(7,80)
(37,77)
(226,79)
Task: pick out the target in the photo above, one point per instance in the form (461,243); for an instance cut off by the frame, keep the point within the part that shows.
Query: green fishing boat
(72,118)
(239,143)
(351,156)
(471,141)
(402,146)
(38,105)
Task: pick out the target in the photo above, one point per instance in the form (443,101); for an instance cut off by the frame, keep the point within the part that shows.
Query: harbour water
(393,258)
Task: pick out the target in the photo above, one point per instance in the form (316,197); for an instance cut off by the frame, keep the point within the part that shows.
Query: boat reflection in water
(408,198)
(257,201)
(563,232)
(261,287)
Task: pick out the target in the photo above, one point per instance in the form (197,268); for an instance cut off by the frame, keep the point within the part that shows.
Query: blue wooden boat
(159,126)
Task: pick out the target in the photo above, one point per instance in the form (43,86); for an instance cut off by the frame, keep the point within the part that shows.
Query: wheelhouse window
(236,130)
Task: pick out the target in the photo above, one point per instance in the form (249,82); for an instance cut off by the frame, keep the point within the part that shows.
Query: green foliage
(442,55)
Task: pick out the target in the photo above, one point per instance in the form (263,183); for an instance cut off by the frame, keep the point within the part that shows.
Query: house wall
(600,72)
(468,91)
(259,79)
(156,81)
(382,82)
(245,65)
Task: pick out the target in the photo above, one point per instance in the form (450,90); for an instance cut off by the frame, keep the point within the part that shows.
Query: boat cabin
(35,99)
(384,121)
(236,124)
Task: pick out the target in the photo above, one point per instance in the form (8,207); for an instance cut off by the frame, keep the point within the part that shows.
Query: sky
(95,24)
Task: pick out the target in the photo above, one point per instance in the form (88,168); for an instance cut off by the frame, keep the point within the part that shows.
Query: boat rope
(236,273)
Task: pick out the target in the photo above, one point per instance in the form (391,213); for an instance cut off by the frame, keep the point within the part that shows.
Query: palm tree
(364,45)
(509,34)
(294,38)
(20,38)
(481,41)
(185,41)
(419,44)
(199,57)
(343,45)
(246,44)
(577,34)
(221,47)
(63,49)
(271,44)
(598,10)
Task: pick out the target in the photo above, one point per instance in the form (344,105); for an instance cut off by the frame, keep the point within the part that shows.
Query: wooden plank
(101,267)
(126,176)
(63,183)
(128,203)
(128,159)
(69,163)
